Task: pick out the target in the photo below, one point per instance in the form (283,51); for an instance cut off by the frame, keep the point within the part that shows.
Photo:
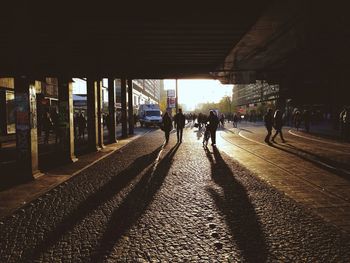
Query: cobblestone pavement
(178,203)
(302,144)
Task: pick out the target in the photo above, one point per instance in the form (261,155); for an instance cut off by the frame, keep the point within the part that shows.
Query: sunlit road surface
(312,170)
(240,202)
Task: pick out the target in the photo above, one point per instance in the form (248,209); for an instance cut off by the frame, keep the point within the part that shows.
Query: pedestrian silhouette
(278,123)
(166,126)
(268,120)
(179,120)
(213,125)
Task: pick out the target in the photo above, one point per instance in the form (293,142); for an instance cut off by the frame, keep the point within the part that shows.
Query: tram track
(310,183)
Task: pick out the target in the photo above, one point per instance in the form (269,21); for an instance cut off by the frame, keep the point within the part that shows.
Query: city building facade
(255,97)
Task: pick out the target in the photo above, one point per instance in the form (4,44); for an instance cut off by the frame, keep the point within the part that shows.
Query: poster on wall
(171,102)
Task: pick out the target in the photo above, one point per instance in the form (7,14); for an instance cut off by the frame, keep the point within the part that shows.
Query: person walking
(180,121)
(297,119)
(278,123)
(213,125)
(344,119)
(342,122)
(222,120)
(235,121)
(307,119)
(268,120)
(166,126)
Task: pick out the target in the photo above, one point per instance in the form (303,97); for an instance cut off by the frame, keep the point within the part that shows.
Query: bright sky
(195,91)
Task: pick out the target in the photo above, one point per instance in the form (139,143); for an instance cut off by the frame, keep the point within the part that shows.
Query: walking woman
(213,125)
(278,123)
(167,126)
(268,119)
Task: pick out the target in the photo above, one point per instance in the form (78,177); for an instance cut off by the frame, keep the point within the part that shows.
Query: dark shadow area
(105,193)
(134,205)
(239,212)
(332,135)
(315,159)
(11,176)
(49,158)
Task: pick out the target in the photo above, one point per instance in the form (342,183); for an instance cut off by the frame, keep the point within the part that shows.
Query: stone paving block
(172,203)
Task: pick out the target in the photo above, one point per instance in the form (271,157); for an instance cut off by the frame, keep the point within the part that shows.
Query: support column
(99,113)
(92,115)
(130,108)
(177,98)
(123,100)
(26,128)
(111,108)
(66,119)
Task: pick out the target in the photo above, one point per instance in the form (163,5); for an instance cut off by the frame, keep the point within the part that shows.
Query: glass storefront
(7,111)
(10,112)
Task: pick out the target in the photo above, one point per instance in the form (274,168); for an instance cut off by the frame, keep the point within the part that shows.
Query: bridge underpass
(301,46)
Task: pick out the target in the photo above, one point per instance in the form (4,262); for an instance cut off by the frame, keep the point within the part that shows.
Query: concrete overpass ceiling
(142,40)
(292,36)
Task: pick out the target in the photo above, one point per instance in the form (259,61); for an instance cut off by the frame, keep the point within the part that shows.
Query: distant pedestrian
(297,120)
(307,120)
(343,116)
(268,120)
(344,121)
(180,121)
(222,120)
(213,125)
(200,120)
(235,121)
(278,123)
(167,126)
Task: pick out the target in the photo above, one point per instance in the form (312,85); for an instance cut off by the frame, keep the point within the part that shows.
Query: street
(244,201)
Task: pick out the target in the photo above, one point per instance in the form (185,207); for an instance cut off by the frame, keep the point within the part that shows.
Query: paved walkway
(19,195)
(313,173)
(149,203)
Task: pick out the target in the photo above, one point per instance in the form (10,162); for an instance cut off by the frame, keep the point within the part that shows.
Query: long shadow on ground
(133,206)
(104,194)
(239,213)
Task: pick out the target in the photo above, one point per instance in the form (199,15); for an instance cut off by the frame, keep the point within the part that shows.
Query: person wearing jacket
(278,123)
(167,126)
(268,120)
(213,125)
(180,121)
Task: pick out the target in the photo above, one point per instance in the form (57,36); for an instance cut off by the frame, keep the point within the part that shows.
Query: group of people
(179,120)
(273,120)
(167,125)
(299,117)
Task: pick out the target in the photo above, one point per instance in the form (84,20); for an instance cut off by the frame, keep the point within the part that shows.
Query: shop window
(10,112)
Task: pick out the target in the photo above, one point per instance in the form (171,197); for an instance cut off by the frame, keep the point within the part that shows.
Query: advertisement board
(170,93)
(171,102)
